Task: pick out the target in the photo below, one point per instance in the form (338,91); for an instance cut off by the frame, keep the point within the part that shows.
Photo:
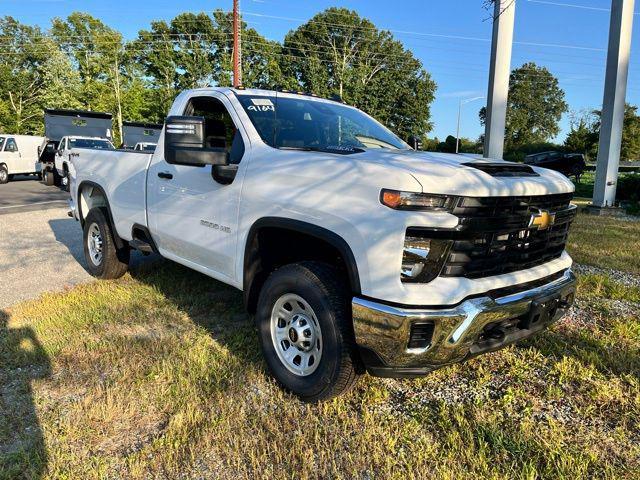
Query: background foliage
(82,63)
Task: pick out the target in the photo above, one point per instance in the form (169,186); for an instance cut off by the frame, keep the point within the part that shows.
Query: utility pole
(501,45)
(613,105)
(237,52)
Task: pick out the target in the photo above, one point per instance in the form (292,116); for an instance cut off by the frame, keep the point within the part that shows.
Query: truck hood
(447,174)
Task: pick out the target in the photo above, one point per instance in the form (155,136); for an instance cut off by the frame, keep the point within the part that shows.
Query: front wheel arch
(258,264)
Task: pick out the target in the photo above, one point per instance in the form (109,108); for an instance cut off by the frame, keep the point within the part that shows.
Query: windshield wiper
(338,150)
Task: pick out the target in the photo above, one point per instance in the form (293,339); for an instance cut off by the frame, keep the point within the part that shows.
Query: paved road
(26,193)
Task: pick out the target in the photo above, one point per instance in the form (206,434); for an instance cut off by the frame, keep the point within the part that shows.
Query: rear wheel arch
(273,242)
(91,195)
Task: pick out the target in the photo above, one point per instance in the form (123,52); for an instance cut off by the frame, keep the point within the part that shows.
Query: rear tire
(65,181)
(47,178)
(4,175)
(104,259)
(57,179)
(304,323)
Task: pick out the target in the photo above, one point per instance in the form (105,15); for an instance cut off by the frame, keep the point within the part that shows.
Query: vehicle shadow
(212,305)
(23,452)
(69,232)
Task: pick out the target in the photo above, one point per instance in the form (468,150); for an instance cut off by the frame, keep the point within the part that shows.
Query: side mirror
(184,143)
(59,153)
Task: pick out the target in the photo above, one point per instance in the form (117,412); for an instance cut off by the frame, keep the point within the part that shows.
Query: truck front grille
(499,239)
(494,235)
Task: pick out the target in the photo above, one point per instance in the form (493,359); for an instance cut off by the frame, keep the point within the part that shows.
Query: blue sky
(451,38)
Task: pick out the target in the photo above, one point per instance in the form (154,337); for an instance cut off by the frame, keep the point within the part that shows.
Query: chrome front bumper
(476,326)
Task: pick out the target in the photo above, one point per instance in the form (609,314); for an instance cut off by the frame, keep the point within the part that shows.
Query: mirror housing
(414,142)
(224,174)
(184,143)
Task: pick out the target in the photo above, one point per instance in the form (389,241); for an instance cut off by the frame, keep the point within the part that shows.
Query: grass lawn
(606,243)
(159,375)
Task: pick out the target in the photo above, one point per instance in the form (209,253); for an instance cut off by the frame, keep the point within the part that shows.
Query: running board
(141,245)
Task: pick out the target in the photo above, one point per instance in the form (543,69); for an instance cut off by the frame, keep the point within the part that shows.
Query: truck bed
(122,175)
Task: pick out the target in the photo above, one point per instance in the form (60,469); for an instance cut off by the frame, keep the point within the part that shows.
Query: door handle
(165,175)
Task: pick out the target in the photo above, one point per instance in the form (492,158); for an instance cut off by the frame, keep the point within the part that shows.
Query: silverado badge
(542,219)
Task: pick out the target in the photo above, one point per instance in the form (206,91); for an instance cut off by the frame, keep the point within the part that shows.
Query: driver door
(192,217)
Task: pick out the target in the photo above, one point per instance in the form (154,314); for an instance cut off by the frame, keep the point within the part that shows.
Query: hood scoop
(503,169)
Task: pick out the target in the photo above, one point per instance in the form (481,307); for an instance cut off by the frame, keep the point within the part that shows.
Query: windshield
(95,144)
(296,123)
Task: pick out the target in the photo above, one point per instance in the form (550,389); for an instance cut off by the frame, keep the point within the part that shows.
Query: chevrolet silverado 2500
(354,252)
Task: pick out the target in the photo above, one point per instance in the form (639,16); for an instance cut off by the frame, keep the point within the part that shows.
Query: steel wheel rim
(94,244)
(296,334)
(3,175)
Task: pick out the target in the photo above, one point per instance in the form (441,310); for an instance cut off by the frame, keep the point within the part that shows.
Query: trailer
(135,133)
(64,123)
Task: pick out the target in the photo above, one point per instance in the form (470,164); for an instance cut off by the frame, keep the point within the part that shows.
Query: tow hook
(493,332)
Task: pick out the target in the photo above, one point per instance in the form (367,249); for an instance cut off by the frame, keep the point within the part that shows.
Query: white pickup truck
(65,153)
(354,252)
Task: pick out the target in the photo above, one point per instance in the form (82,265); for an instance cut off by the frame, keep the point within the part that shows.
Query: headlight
(415,201)
(422,258)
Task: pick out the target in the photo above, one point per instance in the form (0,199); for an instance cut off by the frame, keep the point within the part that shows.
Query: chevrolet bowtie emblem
(542,220)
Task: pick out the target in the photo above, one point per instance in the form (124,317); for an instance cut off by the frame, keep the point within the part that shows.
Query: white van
(18,154)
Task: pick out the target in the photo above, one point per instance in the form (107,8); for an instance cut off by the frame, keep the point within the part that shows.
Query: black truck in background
(569,164)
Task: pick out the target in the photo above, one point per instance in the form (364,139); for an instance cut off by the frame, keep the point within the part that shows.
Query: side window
(219,129)
(11,146)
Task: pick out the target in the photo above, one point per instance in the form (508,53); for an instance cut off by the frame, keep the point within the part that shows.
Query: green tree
(534,107)
(34,74)
(196,51)
(583,136)
(261,67)
(630,146)
(338,52)
(98,52)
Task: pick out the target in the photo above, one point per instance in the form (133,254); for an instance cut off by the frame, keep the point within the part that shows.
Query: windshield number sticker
(261,105)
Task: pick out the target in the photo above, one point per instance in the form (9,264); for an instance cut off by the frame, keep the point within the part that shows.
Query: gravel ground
(40,251)
(625,278)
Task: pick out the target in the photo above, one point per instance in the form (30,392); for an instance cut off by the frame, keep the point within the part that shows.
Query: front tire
(104,259)
(4,175)
(304,324)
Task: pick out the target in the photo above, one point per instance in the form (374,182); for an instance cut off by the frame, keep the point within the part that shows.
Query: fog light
(423,258)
